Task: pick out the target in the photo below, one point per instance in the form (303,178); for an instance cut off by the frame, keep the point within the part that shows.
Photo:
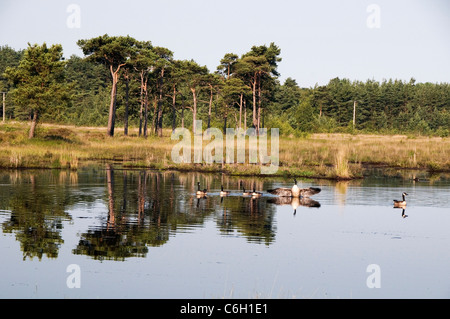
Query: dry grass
(338,156)
(340,150)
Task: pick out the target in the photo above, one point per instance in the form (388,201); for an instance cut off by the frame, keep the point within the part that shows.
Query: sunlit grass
(338,156)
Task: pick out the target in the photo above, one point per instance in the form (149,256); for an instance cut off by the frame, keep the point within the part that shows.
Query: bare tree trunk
(112,105)
(4,107)
(145,113)
(174,110)
(245,115)
(141,112)
(255,123)
(240,110)
(160,107)
(259,106)
(210,105)
(155,115)
(262,117)
(33,124)
(127,89)
(194,110)
(159,119)
(225,120)
(182,111)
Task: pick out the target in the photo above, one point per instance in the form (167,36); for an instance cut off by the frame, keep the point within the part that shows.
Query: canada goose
(201,192)
(223,193)
(255,194)
(244,193)
(400,203)
(295,191)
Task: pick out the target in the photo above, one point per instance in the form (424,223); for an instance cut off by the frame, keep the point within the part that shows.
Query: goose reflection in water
(295,202)
(401,204)
(403,211)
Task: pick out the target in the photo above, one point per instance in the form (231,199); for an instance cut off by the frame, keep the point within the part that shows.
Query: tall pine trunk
(182,111)
(240,110)
(125,120)
(210,105)
(155,115)
(145,113)
(259,106)
(194,110)
(174,110)
(255,120)
(158,129)
(225,120)
(112,105)
(245,115)
(33,124)
(141,111)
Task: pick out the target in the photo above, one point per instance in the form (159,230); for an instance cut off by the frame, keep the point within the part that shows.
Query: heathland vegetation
(322,155)
(328,131)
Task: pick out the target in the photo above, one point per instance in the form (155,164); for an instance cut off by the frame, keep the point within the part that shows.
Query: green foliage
(38,81)
(244,89)
(107,50)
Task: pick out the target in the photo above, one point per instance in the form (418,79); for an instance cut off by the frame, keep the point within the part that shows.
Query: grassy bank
(335,156)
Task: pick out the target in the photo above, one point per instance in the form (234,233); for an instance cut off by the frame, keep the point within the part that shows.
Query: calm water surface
(144,234)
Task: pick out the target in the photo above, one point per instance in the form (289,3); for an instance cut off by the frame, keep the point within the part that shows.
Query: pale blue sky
(319,40)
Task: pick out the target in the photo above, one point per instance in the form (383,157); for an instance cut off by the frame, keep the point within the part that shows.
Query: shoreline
(332,156)
(207,169)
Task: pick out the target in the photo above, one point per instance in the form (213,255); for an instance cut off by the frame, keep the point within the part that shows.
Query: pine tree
(38,81)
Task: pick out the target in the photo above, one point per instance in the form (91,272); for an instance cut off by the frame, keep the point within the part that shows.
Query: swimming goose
(400,203)
(224,193)
(255,194)
(295,191)
(244,193)
(201,192)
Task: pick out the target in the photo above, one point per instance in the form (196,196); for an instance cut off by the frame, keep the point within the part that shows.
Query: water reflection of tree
(37,203)
(144,209)
(252,217)
(116,239)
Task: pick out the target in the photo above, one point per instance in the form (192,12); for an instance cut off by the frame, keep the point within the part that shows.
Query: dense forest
(122,82)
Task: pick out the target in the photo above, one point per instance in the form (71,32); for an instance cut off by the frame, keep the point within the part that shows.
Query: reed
(341,169)
(15,159)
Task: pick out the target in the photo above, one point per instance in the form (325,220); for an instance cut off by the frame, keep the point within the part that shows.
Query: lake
(108,232)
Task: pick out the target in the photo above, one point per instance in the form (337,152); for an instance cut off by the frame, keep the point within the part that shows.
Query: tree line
(121,80)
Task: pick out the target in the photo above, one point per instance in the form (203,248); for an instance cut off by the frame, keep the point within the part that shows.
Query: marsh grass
(334,156)
(341,168)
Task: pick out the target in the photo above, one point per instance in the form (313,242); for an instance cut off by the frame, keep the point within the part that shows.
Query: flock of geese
(293,192)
